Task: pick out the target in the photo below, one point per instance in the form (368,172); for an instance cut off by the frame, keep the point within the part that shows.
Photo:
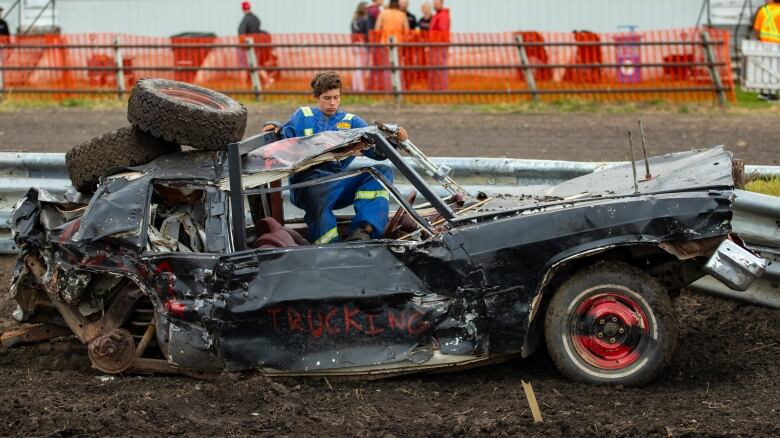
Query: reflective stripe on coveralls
(328,237)
(372,194)
(307,113)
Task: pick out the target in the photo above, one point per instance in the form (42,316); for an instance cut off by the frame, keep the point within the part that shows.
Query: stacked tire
(163,116)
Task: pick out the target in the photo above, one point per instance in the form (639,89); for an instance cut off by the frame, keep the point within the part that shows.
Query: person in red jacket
(439,32)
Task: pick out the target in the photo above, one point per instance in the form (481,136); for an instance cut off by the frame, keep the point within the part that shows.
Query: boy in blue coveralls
(370,200)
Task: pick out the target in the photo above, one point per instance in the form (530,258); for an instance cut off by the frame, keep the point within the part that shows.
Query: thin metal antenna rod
(633,161)
(648,175)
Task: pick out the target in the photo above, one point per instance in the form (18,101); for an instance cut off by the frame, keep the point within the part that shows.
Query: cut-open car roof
(261,165)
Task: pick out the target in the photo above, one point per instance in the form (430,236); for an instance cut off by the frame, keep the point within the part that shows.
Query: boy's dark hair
(324,82)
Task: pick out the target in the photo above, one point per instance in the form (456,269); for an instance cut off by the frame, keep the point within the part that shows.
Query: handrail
(366,45)
(703,74)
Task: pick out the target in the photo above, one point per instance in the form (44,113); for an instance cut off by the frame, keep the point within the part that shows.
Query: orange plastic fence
(667,64)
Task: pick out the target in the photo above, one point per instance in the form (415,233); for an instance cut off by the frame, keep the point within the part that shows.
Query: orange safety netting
(668,65)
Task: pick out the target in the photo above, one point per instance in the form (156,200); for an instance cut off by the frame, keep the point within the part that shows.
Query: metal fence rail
(682,64)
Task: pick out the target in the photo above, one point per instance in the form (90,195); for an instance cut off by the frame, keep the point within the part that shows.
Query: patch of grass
(769,186)
(750,100)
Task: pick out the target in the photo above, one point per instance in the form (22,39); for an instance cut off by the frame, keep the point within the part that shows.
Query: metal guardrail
(756,216)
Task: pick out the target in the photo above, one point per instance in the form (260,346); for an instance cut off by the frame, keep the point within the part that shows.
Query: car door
(320,307)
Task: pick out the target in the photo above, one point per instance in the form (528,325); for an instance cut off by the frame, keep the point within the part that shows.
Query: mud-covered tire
(186,114)
(611,324)
(124,147)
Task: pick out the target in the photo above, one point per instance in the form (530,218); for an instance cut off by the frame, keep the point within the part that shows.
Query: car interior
(272,227)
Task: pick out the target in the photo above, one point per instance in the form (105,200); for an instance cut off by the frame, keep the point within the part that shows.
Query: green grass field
(766,186)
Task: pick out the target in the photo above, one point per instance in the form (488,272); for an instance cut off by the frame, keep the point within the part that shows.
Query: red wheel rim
(193,97)
(609,330)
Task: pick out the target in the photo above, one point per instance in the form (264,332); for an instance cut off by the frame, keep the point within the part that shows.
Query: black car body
(470,285)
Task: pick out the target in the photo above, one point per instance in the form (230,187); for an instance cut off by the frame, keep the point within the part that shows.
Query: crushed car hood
(697,170)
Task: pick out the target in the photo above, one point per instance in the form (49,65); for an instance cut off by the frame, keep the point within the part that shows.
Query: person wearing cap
(250,24)
(366,194)
(4,30)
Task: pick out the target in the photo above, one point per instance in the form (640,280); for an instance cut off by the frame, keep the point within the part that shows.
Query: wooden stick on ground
(529,394)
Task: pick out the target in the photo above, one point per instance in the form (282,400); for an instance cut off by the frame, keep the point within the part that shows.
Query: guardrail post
(394,71)
(2,72)
(254,74)
(714,73)
(529,74)
(120,72)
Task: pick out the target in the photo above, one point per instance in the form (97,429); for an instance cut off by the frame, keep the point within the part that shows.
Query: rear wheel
(611,323)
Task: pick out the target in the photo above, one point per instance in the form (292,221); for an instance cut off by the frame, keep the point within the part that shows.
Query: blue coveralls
(370,199)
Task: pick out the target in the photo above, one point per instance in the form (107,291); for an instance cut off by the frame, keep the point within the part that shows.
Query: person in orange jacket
(439,32)
(767,22)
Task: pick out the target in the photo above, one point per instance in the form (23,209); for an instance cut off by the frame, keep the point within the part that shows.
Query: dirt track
(724,379)
(463,132)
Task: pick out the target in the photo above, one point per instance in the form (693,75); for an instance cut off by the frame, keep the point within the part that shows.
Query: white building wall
(167,17)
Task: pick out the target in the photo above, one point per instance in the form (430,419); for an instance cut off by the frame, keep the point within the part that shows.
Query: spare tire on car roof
(186,114)
(124,147)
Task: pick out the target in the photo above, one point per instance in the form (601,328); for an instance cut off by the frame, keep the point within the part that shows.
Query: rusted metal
(160,366)
(148,336)
(113,351)
(688,249)
(85,330)
(32,334)
(75,321)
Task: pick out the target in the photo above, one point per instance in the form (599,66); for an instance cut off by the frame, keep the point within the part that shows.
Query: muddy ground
(463,132)
(723,380)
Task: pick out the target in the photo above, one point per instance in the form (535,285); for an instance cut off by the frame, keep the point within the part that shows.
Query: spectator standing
(4,30)
(439,32)
(427,15)
(375,76)
(4,33)
(390,23)
(410,55)
(373,13)
(250,24)
(250,27)
(404,6)
(359,30)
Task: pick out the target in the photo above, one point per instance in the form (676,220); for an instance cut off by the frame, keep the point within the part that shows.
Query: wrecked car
(193,264)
